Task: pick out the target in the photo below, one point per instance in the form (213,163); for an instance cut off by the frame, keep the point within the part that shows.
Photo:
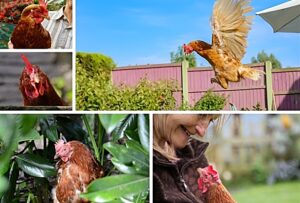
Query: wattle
(32,94)
(38,20)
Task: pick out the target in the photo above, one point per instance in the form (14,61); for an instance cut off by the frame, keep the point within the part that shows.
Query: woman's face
(181,127)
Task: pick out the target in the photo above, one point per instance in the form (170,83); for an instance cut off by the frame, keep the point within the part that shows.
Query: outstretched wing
(230,26)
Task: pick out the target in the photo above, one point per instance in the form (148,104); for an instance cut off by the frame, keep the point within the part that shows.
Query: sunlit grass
(282,192)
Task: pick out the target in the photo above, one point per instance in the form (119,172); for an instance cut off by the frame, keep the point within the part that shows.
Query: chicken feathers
(36,87)
(77,167)
(230,28)
(29,33)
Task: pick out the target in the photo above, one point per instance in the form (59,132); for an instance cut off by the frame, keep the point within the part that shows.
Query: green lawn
(278,193)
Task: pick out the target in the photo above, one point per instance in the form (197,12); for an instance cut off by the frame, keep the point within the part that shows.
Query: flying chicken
(230,28)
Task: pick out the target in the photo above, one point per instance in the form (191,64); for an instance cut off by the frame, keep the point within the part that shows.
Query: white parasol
(284,17)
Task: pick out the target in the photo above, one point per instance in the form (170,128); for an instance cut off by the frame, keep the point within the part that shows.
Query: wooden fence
(276,90)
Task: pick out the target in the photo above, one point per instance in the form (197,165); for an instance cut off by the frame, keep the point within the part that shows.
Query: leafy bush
(259,172)
(92,66)
(146,95)
(95,92)
(92,69)
(55,5)
(211,102)
(27,171)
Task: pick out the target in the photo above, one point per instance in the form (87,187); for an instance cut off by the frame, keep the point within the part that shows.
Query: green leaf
(35,165)
(13,176)
(91,135)
(130,157)
(49,129)
(113,187)
(127,155)
(26,123)
(3,185)
(31,135)
(122,167)
(133,134)
(110,121)
(141,198)
(119,131)
(118,151)
(137,146)
(143,128)
(10,144)
(51,133)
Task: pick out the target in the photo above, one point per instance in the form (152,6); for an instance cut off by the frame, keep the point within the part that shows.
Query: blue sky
(146,31)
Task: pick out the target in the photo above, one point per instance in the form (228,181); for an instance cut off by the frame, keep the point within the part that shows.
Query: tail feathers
(250,73)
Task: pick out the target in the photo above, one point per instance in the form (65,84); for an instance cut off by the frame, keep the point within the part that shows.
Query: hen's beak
(47,17)
(36,78)
(56,157)
(187,49)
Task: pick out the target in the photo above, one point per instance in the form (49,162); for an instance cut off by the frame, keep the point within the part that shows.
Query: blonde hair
(162,137)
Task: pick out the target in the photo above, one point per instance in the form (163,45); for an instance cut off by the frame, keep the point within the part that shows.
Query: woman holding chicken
(181,172)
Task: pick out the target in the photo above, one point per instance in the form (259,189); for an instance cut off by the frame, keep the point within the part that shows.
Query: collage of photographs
(122,101)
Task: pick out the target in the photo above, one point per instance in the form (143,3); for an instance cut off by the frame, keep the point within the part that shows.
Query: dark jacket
(177,182)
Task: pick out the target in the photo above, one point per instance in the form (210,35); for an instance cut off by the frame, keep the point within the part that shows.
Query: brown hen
(29,33)
(36,87)
(230,29)
(77,167)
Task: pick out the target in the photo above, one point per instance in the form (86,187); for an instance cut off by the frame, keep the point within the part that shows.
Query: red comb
(43,3)
(27,63)
(59,144)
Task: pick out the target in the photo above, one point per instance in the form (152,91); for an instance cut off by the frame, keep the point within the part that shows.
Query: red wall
(286,86)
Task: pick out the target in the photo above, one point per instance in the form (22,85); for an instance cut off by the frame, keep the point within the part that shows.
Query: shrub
(148,95)
(259,173)
(94,66)
(95,92)
(211,102)
(92,78)
(145,96)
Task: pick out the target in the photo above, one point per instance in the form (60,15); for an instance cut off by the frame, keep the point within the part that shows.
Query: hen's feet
(214,80)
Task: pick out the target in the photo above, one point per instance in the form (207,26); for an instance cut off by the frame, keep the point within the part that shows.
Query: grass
(279,193)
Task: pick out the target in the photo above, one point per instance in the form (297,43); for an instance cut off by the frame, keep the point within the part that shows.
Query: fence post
(269,86)
(184,78)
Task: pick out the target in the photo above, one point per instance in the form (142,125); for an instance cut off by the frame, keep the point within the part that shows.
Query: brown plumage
(230,29)
(29,33)
(36,87)
(77,167)
(219,194)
